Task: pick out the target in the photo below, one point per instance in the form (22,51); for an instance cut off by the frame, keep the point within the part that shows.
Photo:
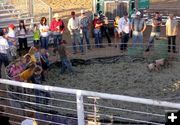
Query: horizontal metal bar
(93,94)
(31,118)
(123,118)
(28,110)
(60,100)
(37,104)
(126,110)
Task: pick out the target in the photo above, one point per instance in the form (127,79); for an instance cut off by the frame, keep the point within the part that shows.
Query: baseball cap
(11,26)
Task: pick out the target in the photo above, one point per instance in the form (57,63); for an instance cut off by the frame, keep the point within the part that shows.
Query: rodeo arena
(89,62)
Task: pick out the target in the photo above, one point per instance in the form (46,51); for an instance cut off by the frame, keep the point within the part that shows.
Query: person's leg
(73,43)
(42,42)
(96,38)
(122,42)
(86,34)
(100,39)
(1,60)
(25,44)
(126,41)
(46,42)
(134,38)
(20,46)
(107,36)
(68,65)
(151,41)
(63,66)
(169,43)
(174,43)
(140,38)
(78,41)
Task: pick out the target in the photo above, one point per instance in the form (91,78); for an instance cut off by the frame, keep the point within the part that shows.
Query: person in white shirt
(171,32)
(74,29)
(124,29)
(22,32)
(44,31)
(3,50)
(11,37)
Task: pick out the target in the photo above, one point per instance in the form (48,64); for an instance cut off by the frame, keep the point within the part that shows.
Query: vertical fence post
(50,15)
(80,108)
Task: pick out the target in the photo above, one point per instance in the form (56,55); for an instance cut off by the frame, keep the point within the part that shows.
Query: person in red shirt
(97,32)
(57,27)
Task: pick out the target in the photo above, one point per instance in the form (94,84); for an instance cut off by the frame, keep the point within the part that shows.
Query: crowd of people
(31,65)
(79,29)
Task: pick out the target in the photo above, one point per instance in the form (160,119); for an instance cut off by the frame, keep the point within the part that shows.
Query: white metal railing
(64,100)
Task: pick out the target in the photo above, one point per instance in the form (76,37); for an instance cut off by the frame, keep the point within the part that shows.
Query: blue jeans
(75,36)
(3,60)
(152,37)
(44,42)
(124,41)
(98,38)
(66,64)
(57,39)
(137,37)
(85,33)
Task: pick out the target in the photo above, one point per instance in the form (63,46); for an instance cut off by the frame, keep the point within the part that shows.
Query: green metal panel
(143,4)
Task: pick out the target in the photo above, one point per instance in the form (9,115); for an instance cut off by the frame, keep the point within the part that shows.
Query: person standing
(44,31)
(3,50)
(97,32)
(116,35)
(74,29)
(156,30)
(84,28)
(124,31)
(138,27)
(22,32)
(57,27)
(104,27)
(171,32)
(11,37)
(36,35)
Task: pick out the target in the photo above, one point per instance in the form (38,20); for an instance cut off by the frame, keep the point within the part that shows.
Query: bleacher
(9,14)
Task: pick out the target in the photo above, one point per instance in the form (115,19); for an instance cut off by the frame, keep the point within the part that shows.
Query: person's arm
(167,22)
(120,27)
(52,28)
(62,27)
(132,25)
(144,27)
(69,25)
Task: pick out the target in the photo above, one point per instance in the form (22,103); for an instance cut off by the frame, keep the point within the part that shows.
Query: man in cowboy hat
(57,27)
(84,28)
(138,27)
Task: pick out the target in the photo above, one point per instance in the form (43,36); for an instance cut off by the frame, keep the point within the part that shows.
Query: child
(32,54)
(36,35)
(44,63)
(37,55)
(25,75)
(37,79)
(16,69)
(64,58)
(11,37)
